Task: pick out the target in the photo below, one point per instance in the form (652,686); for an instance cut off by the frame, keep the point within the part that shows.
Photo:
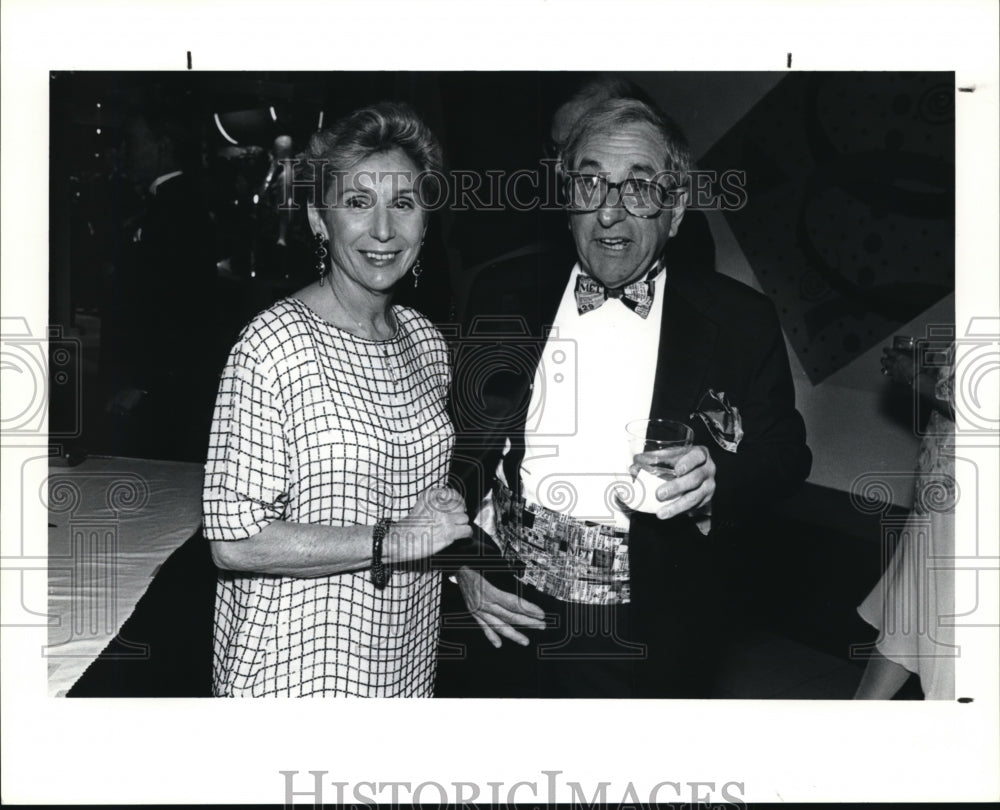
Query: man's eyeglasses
(641,198)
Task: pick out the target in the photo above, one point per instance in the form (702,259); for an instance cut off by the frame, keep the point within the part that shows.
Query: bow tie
(637,296)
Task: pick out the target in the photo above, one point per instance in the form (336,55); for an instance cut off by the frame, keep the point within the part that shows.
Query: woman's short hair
(611,115)
(365,132)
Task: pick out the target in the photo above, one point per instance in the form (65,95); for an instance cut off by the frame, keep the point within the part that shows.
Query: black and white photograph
(669,383)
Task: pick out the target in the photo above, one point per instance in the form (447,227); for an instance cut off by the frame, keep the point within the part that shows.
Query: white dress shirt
(596,375)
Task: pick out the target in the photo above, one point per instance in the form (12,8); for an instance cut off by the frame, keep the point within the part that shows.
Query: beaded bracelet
(380,571)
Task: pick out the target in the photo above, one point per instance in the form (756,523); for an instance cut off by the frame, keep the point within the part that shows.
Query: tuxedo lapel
(540,288)
(687,346)
(665,557)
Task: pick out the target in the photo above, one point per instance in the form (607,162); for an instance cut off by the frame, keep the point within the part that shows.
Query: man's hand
(693,487)
(496,611)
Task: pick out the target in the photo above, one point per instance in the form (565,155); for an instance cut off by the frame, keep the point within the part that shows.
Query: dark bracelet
(380,571)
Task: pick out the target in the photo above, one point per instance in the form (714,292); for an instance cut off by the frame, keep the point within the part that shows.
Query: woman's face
(373,221)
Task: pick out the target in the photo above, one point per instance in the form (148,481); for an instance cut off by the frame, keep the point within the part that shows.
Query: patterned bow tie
(637,296)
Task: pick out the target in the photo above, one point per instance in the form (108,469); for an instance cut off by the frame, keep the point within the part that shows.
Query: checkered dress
(316,425)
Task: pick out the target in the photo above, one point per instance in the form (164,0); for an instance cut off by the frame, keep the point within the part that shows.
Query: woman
(914,602)
(324,487)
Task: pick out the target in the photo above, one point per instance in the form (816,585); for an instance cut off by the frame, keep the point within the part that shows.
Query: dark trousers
(586,651)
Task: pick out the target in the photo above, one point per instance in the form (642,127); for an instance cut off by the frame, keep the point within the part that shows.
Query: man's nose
(612,211)
(381,224)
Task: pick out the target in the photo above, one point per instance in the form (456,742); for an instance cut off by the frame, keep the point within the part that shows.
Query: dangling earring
(320,244)
(417,269)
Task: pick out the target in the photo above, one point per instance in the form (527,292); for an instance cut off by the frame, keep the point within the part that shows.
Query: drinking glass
(655,445)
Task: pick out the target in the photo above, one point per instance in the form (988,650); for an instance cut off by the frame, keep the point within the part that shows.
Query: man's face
(615,247)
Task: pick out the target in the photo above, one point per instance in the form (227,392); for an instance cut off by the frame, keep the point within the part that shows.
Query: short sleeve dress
(316,425)
(913,604)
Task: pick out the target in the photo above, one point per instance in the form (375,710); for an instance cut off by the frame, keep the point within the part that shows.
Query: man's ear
(316,223)
(677,212)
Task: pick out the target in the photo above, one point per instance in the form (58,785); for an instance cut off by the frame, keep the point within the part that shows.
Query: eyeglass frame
(569,177)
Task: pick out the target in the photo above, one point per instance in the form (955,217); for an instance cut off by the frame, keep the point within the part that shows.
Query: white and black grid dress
(316,425)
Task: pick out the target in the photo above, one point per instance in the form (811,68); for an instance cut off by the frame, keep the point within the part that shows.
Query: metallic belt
(572,560)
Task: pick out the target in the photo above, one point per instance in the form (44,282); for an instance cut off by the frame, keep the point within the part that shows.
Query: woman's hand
(436,521)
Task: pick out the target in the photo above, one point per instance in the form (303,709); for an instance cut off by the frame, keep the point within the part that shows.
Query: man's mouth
(614,243)
(380,258)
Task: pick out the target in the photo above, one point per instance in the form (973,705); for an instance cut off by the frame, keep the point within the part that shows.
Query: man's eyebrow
(635,168)
(641,168)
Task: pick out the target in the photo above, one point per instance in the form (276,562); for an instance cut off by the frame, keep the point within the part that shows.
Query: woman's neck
(363,312)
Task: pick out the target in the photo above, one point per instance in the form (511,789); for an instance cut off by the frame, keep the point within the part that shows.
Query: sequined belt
(572,560)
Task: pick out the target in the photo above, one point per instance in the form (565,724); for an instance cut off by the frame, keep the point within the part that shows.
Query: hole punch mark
(789,59)
(967,89)
(189,60)
(965,700)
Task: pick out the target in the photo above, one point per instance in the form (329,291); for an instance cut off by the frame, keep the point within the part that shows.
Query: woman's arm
(288,549)
(297,550)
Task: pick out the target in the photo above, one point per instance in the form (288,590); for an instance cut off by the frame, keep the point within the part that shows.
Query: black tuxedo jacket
(716,333)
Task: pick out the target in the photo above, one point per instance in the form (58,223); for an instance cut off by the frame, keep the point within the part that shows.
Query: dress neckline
(395,309)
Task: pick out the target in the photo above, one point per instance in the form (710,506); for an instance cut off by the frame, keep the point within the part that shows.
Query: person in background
(913,603)
(326,483)
(282,241)
(161,355)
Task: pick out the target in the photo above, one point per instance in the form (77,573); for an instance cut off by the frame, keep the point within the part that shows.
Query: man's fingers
(493,610)
(516,606)
(510,633)
(683,504)
(491,636)
(681,486)
(500,625)
(695,458)
(496,622)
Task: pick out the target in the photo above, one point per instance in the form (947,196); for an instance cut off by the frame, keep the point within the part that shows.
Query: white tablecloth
(112,523)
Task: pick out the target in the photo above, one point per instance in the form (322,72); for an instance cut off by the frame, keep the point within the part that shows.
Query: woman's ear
(316,223)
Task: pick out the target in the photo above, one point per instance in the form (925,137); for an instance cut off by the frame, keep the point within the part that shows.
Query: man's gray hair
(609,116)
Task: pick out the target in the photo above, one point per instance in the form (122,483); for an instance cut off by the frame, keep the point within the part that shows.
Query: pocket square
(721,418)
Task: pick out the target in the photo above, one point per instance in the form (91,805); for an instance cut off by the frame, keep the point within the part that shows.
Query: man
(607,602)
